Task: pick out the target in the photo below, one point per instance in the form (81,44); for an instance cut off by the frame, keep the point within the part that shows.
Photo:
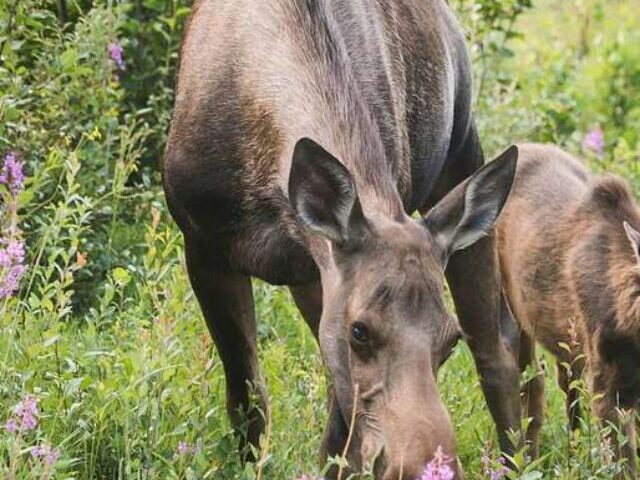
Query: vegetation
(107,368)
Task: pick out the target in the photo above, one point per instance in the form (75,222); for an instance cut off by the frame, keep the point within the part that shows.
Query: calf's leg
(532,392)
(226,300)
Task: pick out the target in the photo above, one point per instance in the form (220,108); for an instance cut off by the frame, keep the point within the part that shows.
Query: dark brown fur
(383,89)
(572,279)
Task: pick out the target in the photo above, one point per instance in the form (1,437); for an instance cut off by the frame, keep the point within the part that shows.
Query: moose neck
(354,136)
(355,116)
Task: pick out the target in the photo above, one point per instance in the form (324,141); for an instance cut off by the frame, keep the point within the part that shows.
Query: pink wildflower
(11,264)
(439,468)
(27,411)
(5,259)
(116,51)
(594,141)
(11,173)
(11,426)
(15,249)
(46,453)
(183,448)
(488,469)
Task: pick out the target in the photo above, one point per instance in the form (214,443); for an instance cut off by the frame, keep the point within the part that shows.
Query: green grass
(115,349)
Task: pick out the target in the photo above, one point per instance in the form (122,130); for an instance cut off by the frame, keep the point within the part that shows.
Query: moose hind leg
(226,300)
(532,393)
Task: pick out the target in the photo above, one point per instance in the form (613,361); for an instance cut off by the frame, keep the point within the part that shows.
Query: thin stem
(351,427)
(9,29)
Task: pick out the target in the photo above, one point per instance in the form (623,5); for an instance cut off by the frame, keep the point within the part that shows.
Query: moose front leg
(226,300)
(474,279)
(308,299)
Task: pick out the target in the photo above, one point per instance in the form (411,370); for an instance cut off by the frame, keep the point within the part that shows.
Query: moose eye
(359,332)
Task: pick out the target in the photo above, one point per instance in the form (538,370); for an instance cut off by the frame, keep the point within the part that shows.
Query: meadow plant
(494,470)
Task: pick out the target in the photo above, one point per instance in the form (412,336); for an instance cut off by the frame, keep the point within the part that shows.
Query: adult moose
(304,133)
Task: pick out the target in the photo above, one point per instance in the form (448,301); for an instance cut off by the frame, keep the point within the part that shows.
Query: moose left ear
(323,195)
(469,211)
(634,237)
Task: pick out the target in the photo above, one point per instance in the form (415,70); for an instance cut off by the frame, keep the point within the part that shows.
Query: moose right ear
(323,195)
(469,211)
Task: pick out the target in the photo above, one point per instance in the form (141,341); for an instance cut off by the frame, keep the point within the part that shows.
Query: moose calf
(569,253)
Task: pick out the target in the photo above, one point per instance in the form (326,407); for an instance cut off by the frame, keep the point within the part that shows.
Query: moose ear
(323,195)
(469,211)
(634,237)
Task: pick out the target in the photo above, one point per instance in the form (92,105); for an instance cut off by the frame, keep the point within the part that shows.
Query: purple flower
(45,452)
(183,448)
(11,425)
(51,457)
(5,259)
(594,141)
(116,51)
(11,173)
(27,411)
(439,468)
(488,468)
(37,451)
(12,268)
(15,249)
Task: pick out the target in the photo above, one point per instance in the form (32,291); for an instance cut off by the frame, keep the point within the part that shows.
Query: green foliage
(105,331)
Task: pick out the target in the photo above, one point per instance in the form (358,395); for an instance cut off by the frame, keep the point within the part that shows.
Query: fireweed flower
(488,469)
(11,250)
(11,426)
(594,141)
(12,280)
(183,448)
(116,51)
(27,412)
(15,250)
(11,173)
(46,453)
(439,468)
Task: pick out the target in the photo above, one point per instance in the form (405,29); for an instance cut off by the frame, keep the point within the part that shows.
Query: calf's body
(569,261)
(305,132)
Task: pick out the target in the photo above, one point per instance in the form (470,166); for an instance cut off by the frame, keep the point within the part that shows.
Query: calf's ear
(323,195)
(634,237)
(469,211)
